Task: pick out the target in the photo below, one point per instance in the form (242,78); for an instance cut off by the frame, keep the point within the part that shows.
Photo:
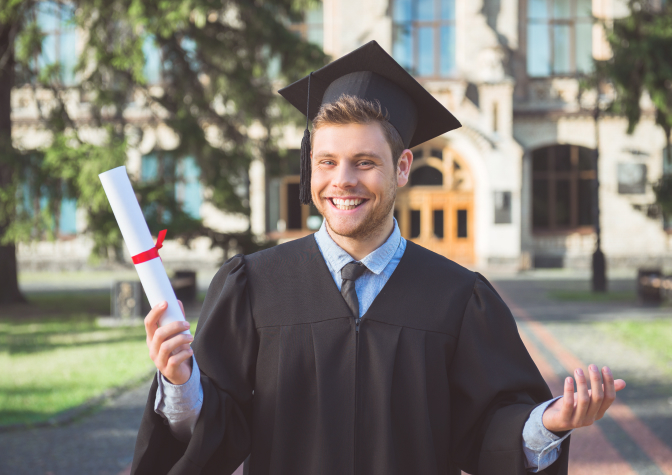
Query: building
(512,187)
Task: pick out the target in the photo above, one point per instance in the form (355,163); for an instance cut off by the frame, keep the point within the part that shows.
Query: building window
(438,223)
(562,187)
(462,223)
(312,28)
(59,45)
(427,176)
(415,223)
(423,38)
(153,60)
(559,37)
(186,173)
(503,207)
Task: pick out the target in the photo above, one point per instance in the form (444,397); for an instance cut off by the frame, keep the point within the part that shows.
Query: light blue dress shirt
(181,405)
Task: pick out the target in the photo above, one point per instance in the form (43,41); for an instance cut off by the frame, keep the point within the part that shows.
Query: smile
(346,205)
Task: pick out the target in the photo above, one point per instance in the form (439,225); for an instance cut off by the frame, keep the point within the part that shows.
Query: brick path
(635,437)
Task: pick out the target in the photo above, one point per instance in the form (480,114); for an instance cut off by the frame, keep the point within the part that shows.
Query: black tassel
(304,184)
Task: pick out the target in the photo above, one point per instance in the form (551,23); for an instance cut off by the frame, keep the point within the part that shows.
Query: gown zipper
(357,323)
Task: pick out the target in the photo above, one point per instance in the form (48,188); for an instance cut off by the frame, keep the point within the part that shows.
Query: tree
(641,63)
(220,62)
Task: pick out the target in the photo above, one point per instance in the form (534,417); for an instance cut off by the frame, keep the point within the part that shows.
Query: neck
(361,247)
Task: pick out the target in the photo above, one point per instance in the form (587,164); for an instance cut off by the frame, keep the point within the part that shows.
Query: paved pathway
(100,444)
(636,435)
(634,439)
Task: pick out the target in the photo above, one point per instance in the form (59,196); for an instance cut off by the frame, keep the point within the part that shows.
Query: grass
(55,357)
(653,336)
(588,296)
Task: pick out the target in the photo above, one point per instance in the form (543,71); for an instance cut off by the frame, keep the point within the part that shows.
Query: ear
(404,167)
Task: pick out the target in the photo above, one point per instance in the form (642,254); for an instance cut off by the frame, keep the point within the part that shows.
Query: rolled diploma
(138,239)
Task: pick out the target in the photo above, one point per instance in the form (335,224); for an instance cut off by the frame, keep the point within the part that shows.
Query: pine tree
(221,64)
(641,63)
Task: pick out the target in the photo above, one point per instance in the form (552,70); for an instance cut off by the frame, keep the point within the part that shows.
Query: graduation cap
(371,74)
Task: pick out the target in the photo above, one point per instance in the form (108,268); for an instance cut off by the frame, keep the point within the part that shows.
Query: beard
(369,224)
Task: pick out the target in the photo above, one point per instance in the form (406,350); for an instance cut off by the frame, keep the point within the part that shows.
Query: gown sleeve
(495,385)
(225,345)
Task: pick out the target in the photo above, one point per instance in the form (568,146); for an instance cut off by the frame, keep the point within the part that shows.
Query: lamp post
(599,264)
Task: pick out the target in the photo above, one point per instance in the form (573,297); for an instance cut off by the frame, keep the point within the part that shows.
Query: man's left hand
(580,409)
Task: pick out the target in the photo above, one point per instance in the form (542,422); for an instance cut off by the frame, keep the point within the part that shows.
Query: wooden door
(440,217)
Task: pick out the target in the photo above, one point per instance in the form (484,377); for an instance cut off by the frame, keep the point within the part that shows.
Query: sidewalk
(99,444)
(635,437)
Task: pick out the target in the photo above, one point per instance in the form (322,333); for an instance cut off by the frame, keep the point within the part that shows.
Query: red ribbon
(152,253)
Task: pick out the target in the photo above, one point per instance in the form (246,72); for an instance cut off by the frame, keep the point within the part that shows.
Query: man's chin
(345,227)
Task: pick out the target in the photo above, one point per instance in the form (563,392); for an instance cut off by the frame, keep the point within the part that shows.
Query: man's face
(354,182)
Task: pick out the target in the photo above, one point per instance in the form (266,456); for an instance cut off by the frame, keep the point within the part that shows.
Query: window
(153,60)
(438,223)
(59,45)
(423,38)
(312,28)
(562,187)
(34,199)
(503,207)
(415,223)
(462,223)
(186,173)
(426,175)
(559,37)
(667,162)
(155,63)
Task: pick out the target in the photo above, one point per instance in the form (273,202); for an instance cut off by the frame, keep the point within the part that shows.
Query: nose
(346,176)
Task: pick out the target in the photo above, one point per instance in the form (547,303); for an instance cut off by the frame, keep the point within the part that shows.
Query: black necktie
(350,273)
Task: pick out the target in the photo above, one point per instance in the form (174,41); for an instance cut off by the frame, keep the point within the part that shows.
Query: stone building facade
(512,187)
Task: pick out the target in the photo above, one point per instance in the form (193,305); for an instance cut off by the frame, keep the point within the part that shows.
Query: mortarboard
(372,74)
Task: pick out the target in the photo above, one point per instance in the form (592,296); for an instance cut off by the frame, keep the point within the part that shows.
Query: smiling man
(353,351)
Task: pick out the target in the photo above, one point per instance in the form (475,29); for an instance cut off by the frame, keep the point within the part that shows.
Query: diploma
(139,242)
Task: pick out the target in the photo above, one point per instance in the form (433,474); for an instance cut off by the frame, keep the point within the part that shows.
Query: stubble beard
(370,223)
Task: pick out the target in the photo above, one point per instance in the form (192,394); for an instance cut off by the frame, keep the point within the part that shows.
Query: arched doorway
(436,208)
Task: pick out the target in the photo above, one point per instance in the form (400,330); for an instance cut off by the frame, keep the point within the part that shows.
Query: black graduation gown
(436,379)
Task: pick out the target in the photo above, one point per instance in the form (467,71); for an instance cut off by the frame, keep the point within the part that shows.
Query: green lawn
(55,357)
(653,337)
(588,296)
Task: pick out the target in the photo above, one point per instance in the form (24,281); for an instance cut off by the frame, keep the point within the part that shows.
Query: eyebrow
(366,153)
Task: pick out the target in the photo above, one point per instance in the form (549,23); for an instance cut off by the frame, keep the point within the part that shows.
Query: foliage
(641,62)
(221,62)
(58,357)
(651,337)
(663,192)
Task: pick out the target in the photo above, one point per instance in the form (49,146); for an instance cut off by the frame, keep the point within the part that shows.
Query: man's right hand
(169,349)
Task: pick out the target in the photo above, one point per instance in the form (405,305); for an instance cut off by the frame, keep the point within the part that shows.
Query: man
(352,351)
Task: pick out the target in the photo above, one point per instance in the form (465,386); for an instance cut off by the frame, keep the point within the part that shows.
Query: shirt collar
(336,257)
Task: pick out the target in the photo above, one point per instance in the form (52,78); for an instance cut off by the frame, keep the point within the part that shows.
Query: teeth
(346,204)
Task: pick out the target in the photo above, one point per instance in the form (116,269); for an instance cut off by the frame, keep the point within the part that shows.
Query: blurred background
(557,187)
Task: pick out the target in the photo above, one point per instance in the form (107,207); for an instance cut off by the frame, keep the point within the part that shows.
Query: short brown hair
(355,110)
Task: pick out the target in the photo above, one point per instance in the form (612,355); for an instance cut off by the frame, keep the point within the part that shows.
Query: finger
(609,392)
(168,347)
(596,392)
(152,319)
(619,385)
(177,359)
(163,334)
(182,307)
(582,399)
(567,408)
